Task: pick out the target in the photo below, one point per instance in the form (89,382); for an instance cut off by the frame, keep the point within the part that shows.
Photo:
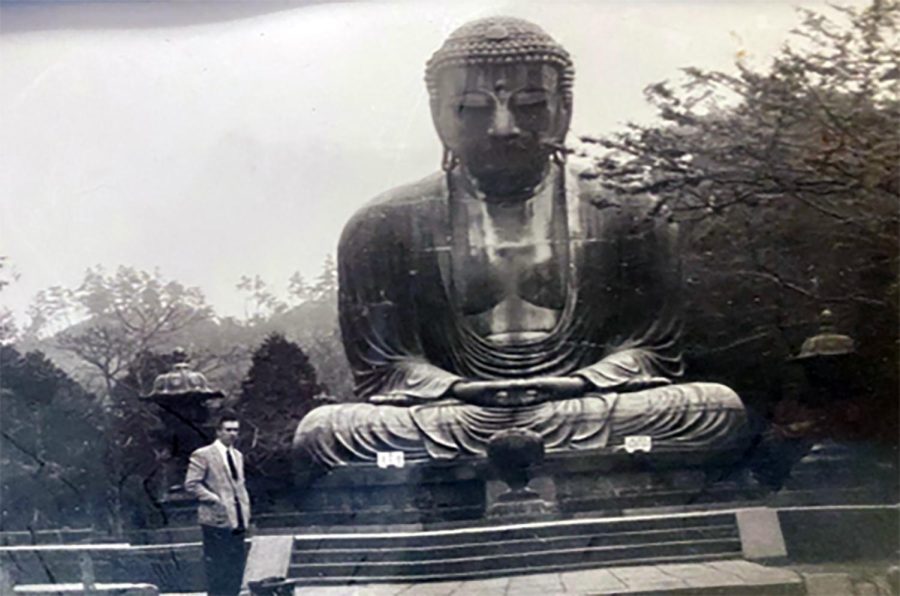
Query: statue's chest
(505,255)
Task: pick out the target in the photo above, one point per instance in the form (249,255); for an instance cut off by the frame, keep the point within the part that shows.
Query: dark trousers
(224,557)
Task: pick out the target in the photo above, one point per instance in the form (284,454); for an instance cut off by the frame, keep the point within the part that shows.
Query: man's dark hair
(226,416)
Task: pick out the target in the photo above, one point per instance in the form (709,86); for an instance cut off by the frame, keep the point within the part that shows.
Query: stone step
(506,563)
(526,531)
(519,545)
(442,575)
(508,549)
(653,497)
(375,516)
(68,536)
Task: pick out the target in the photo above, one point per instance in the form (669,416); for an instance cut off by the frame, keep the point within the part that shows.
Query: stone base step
(481,566)
(512,549)
(584,542)
(438,575)
(509,532)
(730,577)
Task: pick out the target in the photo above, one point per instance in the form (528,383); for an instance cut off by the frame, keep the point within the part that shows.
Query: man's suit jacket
(209,479)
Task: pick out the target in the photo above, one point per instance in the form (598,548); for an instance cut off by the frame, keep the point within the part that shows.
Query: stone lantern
(833,470)
(185,403)
(828,359)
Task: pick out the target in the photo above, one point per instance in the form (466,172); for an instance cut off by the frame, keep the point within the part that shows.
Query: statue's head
(501,100)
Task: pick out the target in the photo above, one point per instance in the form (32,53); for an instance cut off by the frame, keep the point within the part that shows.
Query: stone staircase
(469,553)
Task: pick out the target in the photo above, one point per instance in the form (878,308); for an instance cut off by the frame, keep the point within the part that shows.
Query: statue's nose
(504,124)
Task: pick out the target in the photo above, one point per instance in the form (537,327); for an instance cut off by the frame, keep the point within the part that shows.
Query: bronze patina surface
(507,291)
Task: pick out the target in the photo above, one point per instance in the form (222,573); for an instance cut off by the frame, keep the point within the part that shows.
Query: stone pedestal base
(536,508)
(521,504)
(603,482)
(535,501)
(841,473)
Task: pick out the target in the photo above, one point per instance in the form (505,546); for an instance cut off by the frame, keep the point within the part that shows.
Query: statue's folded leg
(698,416)
(341,434)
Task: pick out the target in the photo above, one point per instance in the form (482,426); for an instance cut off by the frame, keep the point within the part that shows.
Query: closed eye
(529,98)
(473,101)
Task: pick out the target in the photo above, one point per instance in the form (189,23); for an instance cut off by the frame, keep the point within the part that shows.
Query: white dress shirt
(224,451)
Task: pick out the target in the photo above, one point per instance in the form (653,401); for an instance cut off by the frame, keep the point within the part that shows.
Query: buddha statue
(507,291)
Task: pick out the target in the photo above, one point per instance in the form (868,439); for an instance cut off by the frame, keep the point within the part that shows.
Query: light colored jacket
(209,480)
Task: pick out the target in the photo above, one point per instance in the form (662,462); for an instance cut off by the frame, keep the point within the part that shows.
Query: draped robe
(407,341)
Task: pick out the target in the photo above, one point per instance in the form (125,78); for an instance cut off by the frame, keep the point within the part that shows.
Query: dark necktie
(237,504)
(231,466)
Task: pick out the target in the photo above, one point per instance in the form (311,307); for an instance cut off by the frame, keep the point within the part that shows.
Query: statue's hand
(562,386)
(518,392)
(641,383)
(391,399)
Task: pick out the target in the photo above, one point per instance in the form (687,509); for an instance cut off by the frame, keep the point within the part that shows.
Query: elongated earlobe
(449,161)
(559,156)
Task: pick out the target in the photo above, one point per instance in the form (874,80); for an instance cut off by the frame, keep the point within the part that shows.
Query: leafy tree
(314,323)
(8,328)
(50,447)
(278,391)
(110,319)
(317,330)
(298,289)
(817,127)
(326,284)
(260,302)
(786,183)
(109,323)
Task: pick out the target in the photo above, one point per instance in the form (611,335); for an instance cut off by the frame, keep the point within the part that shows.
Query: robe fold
(404,334)
(408,342)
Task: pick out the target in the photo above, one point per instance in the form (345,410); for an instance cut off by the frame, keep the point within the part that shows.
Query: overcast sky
(217,139)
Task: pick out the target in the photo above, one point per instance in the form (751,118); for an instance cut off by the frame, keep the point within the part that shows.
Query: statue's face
(502,121)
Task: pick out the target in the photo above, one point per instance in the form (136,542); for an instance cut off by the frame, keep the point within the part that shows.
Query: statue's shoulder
(408,196)
(396,206)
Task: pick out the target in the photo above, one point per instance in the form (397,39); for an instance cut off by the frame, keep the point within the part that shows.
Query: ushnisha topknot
(500,40)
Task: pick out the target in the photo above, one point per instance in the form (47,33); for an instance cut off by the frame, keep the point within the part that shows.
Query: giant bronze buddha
(507,291)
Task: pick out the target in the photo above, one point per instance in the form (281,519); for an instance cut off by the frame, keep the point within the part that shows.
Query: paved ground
(735,578)
(724,577)
(692,578)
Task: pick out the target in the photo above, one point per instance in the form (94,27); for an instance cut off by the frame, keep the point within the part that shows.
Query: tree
(298,289)
(260,303)
(50,447)
(313,322)
(278,391)
(315,326)
(110,319)
(8,329)
(785,181)
(326,284)
(109,323)
(816,128)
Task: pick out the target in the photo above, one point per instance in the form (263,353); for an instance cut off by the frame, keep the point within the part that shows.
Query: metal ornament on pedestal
(514,454)
(185,403)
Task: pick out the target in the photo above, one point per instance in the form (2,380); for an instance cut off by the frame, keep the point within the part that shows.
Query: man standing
(215,477)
